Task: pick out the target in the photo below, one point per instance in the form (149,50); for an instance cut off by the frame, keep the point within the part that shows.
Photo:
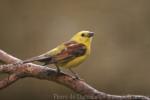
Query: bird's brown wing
(37,58)
(71,51)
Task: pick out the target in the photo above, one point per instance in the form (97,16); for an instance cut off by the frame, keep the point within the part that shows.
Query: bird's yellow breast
(75,62)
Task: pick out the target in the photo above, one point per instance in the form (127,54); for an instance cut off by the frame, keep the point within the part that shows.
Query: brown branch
(19,71)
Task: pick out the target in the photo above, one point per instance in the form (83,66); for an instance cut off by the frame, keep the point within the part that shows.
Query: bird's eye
(82,35)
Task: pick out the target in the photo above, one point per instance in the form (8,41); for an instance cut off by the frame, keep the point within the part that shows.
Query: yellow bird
(68,54)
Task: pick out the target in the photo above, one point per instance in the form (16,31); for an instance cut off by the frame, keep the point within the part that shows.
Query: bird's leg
(74,73)
(58,69)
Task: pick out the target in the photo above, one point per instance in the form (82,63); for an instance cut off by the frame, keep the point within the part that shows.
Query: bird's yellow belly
(74,62)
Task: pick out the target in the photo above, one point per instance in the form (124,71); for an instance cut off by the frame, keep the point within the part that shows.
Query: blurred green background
(119,63)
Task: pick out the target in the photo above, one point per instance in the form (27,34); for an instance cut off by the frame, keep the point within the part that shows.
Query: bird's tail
(38,58)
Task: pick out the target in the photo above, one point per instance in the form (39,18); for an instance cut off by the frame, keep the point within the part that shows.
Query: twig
(19,71)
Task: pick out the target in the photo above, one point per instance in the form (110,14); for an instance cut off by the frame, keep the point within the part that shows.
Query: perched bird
(68,54)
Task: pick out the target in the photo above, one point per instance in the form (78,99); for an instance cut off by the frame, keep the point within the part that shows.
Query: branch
(19,71)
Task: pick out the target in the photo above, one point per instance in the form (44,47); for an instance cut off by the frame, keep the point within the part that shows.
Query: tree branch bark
(19,71)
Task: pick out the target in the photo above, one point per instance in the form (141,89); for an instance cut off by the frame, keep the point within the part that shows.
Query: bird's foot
(58,71)
(76,77)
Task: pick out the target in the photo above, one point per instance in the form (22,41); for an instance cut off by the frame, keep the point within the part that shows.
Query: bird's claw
(77,78)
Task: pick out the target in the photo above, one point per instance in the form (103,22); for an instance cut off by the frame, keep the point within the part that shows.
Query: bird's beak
(91,34)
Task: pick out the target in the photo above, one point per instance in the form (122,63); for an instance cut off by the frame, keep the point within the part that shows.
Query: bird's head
(84,37)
